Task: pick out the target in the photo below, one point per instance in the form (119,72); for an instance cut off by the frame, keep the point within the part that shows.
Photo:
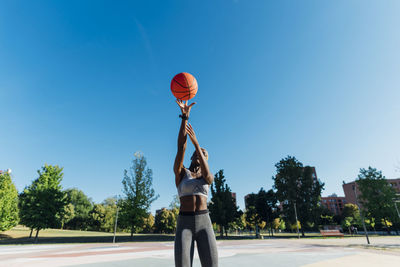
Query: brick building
(334,203)
(234,198)
(349,188)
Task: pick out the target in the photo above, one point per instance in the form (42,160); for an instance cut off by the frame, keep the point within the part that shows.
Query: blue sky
(85,84)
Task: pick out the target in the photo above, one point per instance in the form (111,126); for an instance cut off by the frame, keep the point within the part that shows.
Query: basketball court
(268,252)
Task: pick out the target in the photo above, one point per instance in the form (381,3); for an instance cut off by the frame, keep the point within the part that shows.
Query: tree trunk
(221,231)
(302,232)
(30,235)
(131,233)
(226,231)
(37,234)
(272,232)
(387,227)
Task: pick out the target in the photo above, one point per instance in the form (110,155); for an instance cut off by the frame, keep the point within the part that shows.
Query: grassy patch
(20,235)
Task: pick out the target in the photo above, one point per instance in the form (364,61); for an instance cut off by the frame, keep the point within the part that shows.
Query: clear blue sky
(85,84)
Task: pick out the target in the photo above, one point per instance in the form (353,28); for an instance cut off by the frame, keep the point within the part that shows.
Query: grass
(20,235)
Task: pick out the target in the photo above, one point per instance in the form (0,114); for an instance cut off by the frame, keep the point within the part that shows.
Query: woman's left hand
(192,135)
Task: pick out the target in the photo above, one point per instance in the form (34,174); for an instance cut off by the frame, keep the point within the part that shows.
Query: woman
(194,222)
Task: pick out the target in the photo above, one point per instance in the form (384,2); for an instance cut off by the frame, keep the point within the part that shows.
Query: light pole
(116,221)
(397,200)
(361,213)
(297,224)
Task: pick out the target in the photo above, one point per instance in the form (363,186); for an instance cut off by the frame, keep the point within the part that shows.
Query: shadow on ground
(7,240)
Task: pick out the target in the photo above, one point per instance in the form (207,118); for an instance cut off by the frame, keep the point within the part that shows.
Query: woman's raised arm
(205,170)
(182,136)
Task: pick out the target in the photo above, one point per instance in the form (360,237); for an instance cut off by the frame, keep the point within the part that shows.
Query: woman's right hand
(185,108)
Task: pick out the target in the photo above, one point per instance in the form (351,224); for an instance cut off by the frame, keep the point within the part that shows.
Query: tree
(8,203)
(239,223)
(296,187)
(279,224)
(266,207)
(222,206)
(175,204)
(67,215)
(326,216)
(252,218)
(376,196)
(148,224)
(83,205)
(165,221)
(102,216)
(350,210)
(351,216)
(139,193)
(45,200)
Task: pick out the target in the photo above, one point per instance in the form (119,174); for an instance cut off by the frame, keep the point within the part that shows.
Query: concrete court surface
(385,251)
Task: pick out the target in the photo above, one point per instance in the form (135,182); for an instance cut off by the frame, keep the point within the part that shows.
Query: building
(334,203)
(160,210)
(246,201)
(351,189)
(314,174)
(234,198)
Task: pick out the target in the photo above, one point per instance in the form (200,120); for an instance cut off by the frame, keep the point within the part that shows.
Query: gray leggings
(197,228)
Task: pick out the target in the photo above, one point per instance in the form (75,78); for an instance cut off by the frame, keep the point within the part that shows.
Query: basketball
(184,86)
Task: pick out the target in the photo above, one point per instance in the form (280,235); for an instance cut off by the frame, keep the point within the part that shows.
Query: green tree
(376,196)
(139,193)
(350,210)
(46,200)
(326,216)
(8,203)
(26,205)
(351,216)
(266,207)
(239,223)
(279,224)
(102,216)
(165,221)
(175,204)
(67,214)
(148,223)
(296,187)
(83,205)
(222,206)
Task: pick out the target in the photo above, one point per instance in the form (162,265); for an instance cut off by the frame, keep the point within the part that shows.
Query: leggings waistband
(192,213)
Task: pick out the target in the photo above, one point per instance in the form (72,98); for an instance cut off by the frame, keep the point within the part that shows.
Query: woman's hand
(184,107)
(192,135)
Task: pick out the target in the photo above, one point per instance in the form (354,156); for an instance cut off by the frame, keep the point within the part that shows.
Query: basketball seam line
(187,84)
(185,95)
(175,91)
(181,84)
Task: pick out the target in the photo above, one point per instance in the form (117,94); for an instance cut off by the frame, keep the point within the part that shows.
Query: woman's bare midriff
(193,203)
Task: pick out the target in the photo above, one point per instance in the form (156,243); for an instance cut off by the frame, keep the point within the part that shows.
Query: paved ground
(268,252)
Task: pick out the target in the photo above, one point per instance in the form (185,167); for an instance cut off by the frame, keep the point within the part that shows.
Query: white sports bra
(192,186)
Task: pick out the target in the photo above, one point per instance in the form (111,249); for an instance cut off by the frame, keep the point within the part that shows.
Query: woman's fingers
(189,130)
(192,104)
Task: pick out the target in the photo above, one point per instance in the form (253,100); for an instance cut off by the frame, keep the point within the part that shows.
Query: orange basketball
(184,86)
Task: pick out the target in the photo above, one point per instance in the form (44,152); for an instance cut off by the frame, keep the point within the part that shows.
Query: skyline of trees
(72,209)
